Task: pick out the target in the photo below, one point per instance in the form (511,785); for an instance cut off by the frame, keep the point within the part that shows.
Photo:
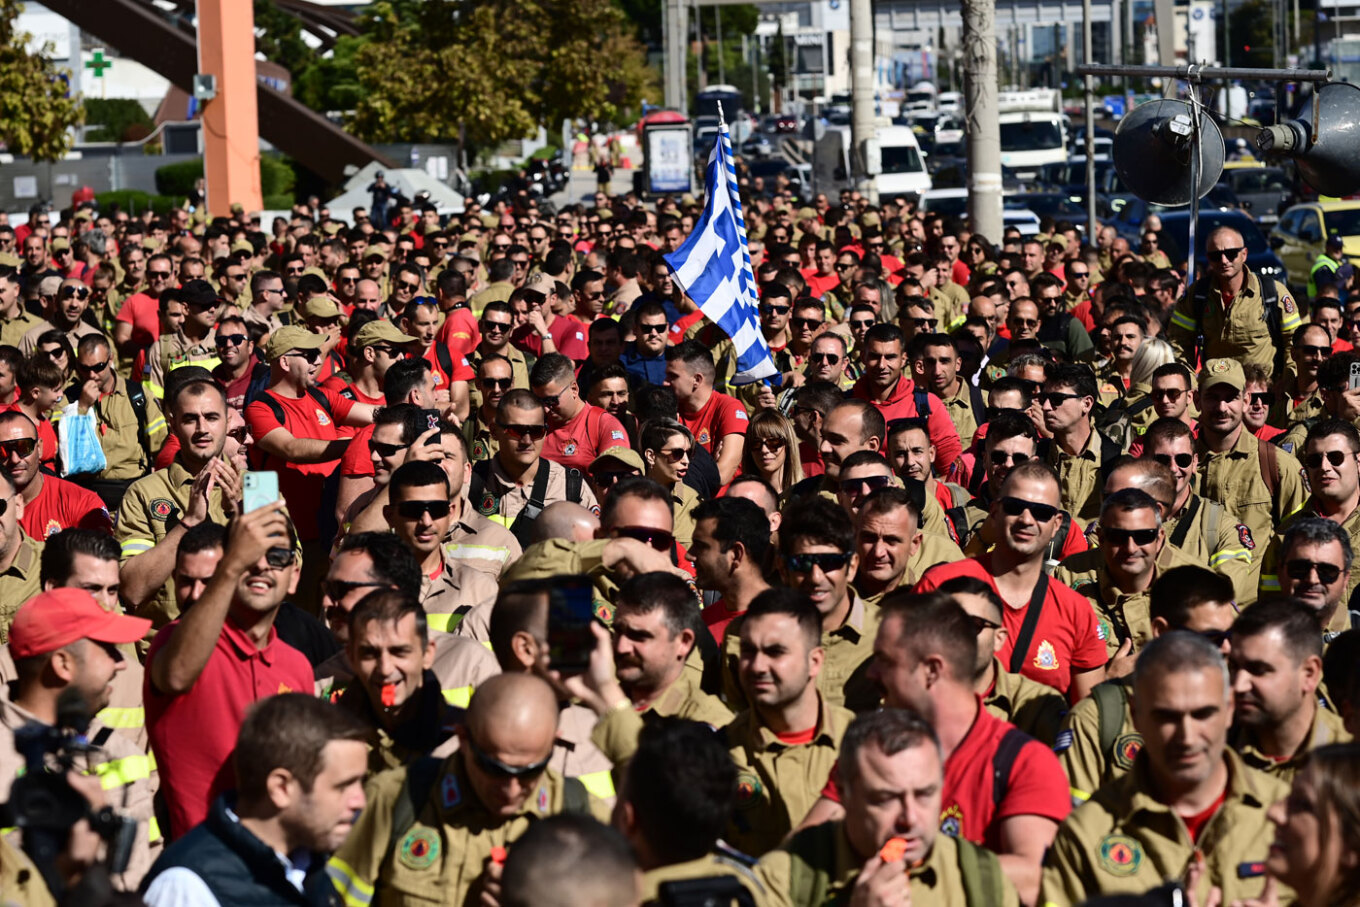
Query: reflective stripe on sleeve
(137,546)
(443,623)
(121,772)
(354,891)
(599,784)
(458,696)
(483,552)
(1078,796)
(122,718)
(1181,320)
(1270,582)
(1230,554)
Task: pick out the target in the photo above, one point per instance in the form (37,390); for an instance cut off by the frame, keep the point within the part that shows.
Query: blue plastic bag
(78,435)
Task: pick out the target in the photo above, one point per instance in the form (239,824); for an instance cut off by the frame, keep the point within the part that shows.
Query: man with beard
(729,552)
(849,427)
(1297,395)
(1316,558)
(935,365)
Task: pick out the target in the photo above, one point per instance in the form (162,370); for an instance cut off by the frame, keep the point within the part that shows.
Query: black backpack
(524,520)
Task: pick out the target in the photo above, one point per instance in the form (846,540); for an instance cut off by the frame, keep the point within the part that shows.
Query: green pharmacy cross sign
(98,63)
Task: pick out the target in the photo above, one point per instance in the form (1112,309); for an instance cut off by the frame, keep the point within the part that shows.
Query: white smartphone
(260,488)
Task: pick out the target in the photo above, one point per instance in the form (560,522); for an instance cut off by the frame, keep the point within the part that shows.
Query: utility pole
(676,29)
(980,107)
(862,92)
(1088,57)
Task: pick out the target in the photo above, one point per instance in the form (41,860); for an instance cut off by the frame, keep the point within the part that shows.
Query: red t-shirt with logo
(568,335)
(64,505)
(676,334)
(585,437)
(358,458)
(301,484)
(459,369)
(459,332)
(193,735)
(1036,786)
(1066,638)
(721,415)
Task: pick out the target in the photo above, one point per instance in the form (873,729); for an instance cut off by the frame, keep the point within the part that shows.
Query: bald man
(479,799)
(1233,313)
(565,520)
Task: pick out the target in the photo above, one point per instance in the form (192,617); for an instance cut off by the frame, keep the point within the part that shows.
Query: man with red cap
(63,640)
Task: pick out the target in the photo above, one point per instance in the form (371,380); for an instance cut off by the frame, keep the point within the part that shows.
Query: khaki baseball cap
(242,245)
(1222,371)
(625,455)
(59,244)
(320,307)
(379,332)
(541,283)
(290,338)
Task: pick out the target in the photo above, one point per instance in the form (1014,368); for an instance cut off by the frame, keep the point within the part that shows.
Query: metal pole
(1195,163)
(862,91)
(1089,83)
(674,39)
(1185,73)
(984,126)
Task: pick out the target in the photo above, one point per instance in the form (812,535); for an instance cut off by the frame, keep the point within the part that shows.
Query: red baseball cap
(59,617)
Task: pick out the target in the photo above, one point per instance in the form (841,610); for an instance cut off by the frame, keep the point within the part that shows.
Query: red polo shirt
(193,735)
(301,484)
(64,505)
(358,458)
(458,370)
(721,415)
(1066,638)
(568,335)
(585,437)
(459,332)
(901,404)
(1036,785)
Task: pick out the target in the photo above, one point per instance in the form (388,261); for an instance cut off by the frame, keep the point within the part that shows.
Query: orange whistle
(389,695)
(894,850)
(498,856)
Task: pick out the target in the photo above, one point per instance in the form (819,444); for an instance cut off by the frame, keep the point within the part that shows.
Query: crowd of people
(439,559)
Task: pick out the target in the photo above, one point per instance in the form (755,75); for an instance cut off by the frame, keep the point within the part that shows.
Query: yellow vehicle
(1300,235)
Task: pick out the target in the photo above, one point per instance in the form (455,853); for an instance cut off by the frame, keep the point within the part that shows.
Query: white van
(1033,131)
(902,167)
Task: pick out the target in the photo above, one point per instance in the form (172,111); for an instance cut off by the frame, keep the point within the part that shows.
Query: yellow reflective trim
(153,830)
(444,623)
(1270,583)
(122,718)
(121,772)
(137,546)
(1230,554)
(353,890)
(497,518)
(1291,321)
(1181,320)
(459,696)
(155,425)
(1078,796)
(486,552)
(599,784)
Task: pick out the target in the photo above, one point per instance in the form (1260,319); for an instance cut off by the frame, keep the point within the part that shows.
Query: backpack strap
(809,852)
(978,404)
(922,404)
(538,494)
(137,397)
(415,790)
(958,525)
(1270,301)
(574,482)
(441,352)
(984,884)
(1110,699)
(575,797)
(1183,527)
(1003,760)
(1215,511)
(275,407)
(321,400)
(1270,467)
(1031,623)
(1109,452)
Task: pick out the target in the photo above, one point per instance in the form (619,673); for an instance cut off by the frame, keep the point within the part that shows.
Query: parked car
(1302,232)
(758,145)
(1264,191)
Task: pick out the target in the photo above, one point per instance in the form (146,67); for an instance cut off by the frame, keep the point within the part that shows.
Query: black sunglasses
(1303,570)
(278,558)
(829,562)
(1002,457)
(498,769)
(807,322)
(1117,537)
(1335,457)
(1183,460)
(94,368)
(659,539)
(231,339)
(824,358)
(652,328)
(77,292)
(312,356)
(774,309)
(864,485)
(495,327)
(414,510)
(1016,506)
(21,446)
(386,450)
(1225,254)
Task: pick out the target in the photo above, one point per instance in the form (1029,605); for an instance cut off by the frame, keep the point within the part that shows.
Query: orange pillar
(231,125)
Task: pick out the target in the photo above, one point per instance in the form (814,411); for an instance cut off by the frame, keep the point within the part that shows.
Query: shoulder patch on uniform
(420,848)
(161,508)
(1287,446)
(749,790)
(1126,749)
(1288,302)
(1219,366)
(1120,854)
(488,505)
(1064,741)
(951,821)
(450,793)
(1244,536)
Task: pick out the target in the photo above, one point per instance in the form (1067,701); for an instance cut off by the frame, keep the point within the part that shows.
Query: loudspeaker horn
(1152,149)
(1327,160)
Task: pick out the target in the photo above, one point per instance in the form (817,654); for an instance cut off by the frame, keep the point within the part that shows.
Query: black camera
(45,806)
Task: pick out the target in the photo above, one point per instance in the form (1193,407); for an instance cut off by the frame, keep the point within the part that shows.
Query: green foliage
(117,119)
(1252,25)
(134,201)
(496,68)
(35,112)
(331,83)
(278,36)
(276,178)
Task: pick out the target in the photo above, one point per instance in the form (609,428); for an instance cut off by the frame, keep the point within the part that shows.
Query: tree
(36,110)
(495,68)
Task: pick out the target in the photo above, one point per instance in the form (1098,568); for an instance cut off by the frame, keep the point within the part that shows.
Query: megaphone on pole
(1328,153)
(1153,147)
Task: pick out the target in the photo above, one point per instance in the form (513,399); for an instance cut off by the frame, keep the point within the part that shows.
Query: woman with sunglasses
(666,447)
(980,256)
(771,451)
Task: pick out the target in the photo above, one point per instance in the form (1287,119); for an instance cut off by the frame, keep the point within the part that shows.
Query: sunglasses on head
(1041,512)
(1117,537)
(1182,460)
(1302,570)
(659,539)
(1335,457)
(414,510)
(498,769)
(20,446)
(532,432)
(828,562)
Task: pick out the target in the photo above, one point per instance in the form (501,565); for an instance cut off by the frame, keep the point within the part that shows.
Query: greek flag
(714,266)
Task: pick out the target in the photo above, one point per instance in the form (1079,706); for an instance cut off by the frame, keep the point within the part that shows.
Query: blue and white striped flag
(714,266)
